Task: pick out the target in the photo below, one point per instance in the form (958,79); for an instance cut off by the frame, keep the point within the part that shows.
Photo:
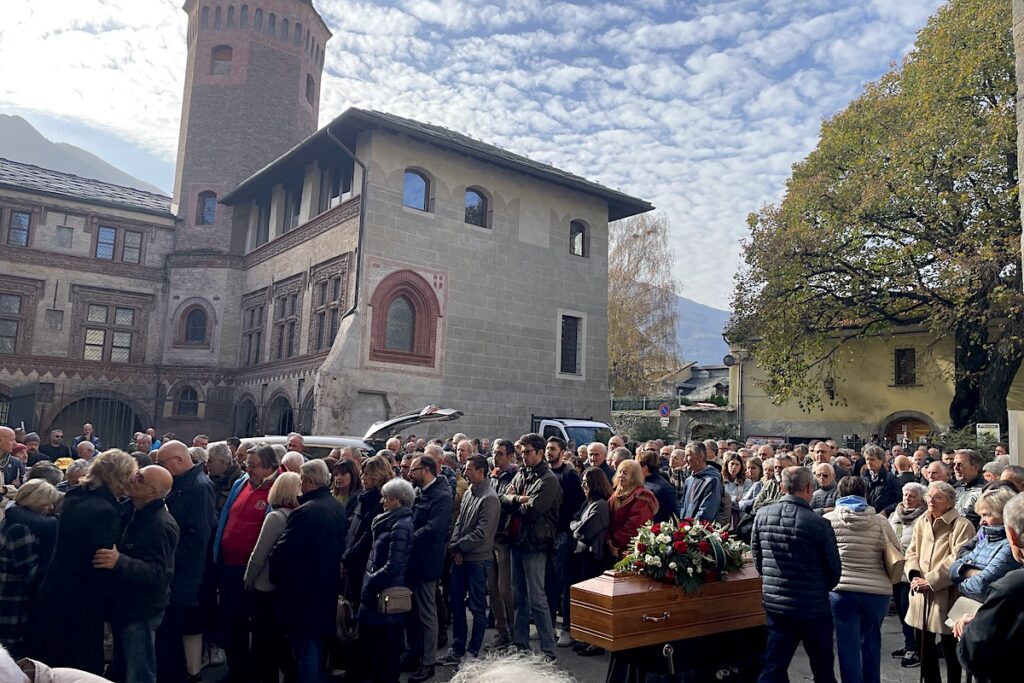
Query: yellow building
(883,386)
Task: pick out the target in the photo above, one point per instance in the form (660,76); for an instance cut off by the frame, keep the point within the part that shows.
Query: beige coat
(931,552)
(862,537)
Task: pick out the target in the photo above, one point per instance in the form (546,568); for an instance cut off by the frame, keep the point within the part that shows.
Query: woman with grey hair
(937,538)
(73,474)
(903,519)
(380,635)
(198,455)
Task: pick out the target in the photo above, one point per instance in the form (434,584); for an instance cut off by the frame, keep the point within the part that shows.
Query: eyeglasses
(416,469)
(528,450)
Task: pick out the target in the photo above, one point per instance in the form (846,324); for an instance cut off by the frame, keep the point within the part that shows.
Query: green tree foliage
(906,214)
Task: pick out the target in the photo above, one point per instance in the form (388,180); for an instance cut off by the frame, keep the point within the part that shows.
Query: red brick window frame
(426,311)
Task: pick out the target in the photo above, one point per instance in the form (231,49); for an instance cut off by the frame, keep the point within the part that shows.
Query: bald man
(12,470)
(142,564)
(192,504)
(292,461)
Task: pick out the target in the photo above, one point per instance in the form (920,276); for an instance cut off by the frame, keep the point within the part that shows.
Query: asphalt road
(593,669)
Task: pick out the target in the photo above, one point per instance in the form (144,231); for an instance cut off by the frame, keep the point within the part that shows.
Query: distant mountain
(20,141)
(699,332)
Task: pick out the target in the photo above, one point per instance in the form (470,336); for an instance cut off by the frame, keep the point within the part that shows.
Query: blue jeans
(557,580)
(306,650)
(784,634)
(531,602)
(135,650)
(469,577)
(858,618)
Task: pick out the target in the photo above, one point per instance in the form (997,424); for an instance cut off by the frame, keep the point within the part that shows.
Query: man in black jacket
(656,483)
(499,576)
(305,567)
(191,503)
(884,493)
(796,554)
(143,564)
(431,521)
(557,571)
(997,630)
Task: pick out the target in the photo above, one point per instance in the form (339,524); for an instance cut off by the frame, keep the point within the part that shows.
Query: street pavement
(593,669)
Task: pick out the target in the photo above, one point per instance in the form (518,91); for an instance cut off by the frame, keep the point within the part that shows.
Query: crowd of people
(163,558)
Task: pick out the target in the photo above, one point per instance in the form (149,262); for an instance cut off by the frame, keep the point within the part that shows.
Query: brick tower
(252,91)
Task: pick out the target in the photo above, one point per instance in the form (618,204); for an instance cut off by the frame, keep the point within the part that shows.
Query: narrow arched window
(220,60)
(231,18)
(243,17)
(204,18)
(416,190)
(310,88)
(216,19)
(401,321)
(297,38)
(578,238)
(257,20)
(271,24)
(187,404)
(206,208)
(476,208)
(284,30)
(195,326)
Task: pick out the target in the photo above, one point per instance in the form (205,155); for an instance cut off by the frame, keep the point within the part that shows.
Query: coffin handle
(646,618)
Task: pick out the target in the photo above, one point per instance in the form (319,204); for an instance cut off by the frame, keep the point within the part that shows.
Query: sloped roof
(26,177)
(620,204)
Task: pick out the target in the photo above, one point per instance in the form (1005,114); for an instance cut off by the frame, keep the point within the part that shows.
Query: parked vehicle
(574,430)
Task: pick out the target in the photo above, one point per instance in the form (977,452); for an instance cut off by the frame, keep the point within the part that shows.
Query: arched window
(195,326)
(220,60)
(416,190)
(243,17)
(271,24)
(310,88)
(257,20)
(297,38)
(231,18)
(187,403)
(476,208)
(204,18)
(206,208)
(404,323)
(216,18)
(401,323)
(284,30)
(579,239)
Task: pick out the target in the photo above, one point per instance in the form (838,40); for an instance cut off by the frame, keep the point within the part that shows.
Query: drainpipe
(362,221)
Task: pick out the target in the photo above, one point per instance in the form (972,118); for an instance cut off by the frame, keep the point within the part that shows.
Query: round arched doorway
(280,417)
(113,420)
(912,424)
(246,419)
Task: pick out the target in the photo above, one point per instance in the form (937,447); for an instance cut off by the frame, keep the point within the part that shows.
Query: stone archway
(246,418)
(114,420)
(280,418)
(915,423)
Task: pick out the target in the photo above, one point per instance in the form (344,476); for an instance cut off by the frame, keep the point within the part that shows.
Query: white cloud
(701,108)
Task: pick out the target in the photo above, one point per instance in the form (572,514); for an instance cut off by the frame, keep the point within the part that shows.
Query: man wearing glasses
(772,490)
(57,448)
(822,453)
(533,499)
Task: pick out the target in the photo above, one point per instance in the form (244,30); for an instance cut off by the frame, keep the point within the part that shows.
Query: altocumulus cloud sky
(699,106)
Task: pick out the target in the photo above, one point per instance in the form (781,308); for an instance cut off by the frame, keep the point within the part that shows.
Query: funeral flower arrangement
(685,552)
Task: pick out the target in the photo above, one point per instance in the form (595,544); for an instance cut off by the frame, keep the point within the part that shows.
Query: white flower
(663,538)
(689,570)
(673,565)
(686,527)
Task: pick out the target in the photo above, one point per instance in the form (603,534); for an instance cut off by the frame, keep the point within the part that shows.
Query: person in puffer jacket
(796,555)
(992,556)
(860,600)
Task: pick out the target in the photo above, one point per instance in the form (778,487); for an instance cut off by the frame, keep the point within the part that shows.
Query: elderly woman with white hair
(903,519)
(937,537)
(380,634)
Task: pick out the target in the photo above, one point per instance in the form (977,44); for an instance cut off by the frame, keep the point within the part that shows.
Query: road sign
(664,410)
(664,422)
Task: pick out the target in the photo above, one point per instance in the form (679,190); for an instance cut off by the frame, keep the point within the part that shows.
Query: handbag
(894,561)
(394,600)
(346,622)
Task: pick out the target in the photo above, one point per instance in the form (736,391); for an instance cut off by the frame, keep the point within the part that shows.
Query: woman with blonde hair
(267,631)
(991,558)
(376,472)
(90,520)
(630,506)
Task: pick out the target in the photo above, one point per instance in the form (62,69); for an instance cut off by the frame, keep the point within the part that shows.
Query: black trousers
(930,657)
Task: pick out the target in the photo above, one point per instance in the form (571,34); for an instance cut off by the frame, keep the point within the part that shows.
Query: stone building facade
(304,279)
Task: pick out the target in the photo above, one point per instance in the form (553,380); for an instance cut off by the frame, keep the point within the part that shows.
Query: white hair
(79,465)
(293,457)
(1013,514)
(10,672)
(400,490)
(920,489)
(515,668)
(89,445)
(316,472)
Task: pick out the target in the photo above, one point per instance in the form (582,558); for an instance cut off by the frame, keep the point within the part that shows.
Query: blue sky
(699,107)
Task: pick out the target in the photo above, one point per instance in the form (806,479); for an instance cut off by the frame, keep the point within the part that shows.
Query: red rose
(641,547)
(639,564)
(656,529)
(688,520)
(725,535)
(681,547)
(703,547)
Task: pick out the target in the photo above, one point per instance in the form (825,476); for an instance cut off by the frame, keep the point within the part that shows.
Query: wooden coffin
(620,611)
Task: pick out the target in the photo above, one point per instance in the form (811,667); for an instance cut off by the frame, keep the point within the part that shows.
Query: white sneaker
(564,639)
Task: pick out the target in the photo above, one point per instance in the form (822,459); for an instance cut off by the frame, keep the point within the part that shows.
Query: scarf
(905,517)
